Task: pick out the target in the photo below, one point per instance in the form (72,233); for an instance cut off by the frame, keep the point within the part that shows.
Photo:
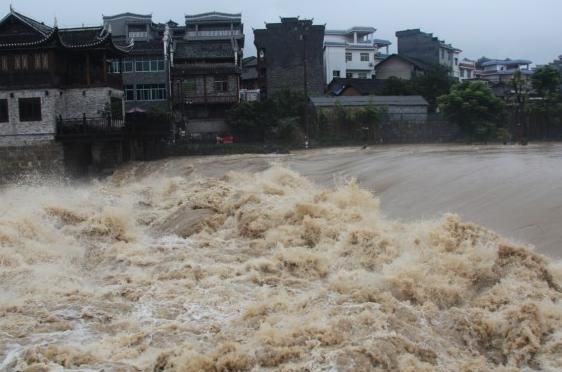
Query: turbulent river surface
(290,263)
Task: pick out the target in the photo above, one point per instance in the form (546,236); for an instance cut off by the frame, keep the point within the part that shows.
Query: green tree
(518,99)
(474,108)
(368,118)
(394,86)
(546,82)
(432,84)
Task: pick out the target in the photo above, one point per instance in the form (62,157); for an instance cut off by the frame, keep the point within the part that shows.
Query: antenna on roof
(56,25)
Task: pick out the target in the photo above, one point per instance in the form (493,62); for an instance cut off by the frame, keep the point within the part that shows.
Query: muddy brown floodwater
(285,263)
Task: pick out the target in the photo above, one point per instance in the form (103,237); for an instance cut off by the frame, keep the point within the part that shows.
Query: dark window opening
(30,109)
(4,111)
(129,92)
(221,85)
(116,108)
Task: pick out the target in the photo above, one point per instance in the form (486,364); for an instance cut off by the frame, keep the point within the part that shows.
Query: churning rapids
(163,267)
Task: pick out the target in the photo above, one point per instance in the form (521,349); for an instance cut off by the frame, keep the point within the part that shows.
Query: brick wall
(16,131)
(285,53)
(92,102)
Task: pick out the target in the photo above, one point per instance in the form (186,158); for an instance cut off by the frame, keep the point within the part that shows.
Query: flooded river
(285,263)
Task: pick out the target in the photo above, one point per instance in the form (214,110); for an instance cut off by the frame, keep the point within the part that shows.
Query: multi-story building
(290,57)
(466,69)
(352,53)
(425,47)
(205,73)
(497,71)
(50,76)
(146,70)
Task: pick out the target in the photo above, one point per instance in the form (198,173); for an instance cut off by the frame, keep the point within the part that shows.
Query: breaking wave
(150,271)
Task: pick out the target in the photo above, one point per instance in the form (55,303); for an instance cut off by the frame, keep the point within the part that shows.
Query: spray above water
(263,271)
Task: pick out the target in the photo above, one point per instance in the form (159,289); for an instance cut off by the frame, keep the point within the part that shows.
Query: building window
(30,109)
(462,72)
(115,67)
(4,63)
(149,64)
(4,118)
(456,61)
(348,57)
(221,85)
(349,75)
(116,108)
(362,75)
(364,57)
(189,86)
(17,63)
(442,53)
(336,73)
(137,32)
(128,65)
(129,92)
(151,92)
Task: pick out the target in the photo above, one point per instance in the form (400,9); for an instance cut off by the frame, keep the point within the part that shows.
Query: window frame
(223,84)
(35,113)
(129,89)
(364,57)
(348,57)
(4,111)
(336,73)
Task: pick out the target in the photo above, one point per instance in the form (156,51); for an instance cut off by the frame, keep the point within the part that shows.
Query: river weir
(186,265)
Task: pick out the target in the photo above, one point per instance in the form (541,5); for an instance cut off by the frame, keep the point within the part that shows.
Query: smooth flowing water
(240,263)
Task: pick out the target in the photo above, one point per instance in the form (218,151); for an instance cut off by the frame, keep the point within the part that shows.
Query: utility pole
(305,70)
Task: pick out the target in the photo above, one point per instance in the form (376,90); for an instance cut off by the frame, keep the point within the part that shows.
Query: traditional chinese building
(290,57)
(205,73)
(50,76)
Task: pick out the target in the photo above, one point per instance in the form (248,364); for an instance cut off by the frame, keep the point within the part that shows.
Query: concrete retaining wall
(44,159)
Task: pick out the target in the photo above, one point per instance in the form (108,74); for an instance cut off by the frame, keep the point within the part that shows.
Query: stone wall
(17,162)
(92,102)
(16,131)
(68,103)
(284,54)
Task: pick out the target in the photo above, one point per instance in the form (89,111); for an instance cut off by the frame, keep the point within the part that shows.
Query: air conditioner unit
(371,64)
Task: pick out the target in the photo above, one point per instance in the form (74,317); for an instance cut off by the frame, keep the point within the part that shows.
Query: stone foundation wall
(17,162)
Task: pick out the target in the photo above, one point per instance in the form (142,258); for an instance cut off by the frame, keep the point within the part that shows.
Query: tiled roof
(369,100)
(495,62)
(213,17)
(363,86)
(419,64)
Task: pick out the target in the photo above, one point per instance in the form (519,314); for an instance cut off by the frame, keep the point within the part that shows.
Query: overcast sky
(493,28)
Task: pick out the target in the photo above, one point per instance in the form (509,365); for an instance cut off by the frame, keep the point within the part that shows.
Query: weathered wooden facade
(51,76)
(206,72)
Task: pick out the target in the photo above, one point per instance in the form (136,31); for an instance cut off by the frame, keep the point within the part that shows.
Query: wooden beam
(88,79)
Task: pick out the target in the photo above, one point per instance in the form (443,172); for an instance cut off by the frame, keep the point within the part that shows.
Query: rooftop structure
(50,76)
(425,47)
(352,53)
(290,56)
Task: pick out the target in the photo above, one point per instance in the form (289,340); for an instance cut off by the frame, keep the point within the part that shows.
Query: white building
(352,53)
(466,69)
(496,70)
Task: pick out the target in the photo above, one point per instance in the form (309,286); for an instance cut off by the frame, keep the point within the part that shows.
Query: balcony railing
(212,34)
(92,126)
(211,99)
